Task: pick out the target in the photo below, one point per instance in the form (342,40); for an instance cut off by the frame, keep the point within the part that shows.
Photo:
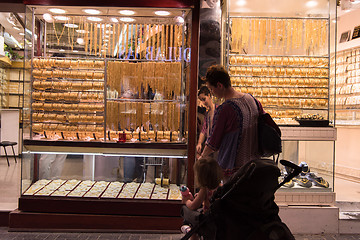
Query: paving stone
(5,235)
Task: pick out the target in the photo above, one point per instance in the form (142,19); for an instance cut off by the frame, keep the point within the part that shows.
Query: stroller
(244,207)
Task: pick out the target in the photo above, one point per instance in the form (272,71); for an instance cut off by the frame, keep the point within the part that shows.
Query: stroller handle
(294,173)
(290,165)
(248,173)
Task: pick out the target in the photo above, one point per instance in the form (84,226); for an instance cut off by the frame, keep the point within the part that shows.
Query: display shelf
(232,75)
(68,95)
(5,62)
(272,62)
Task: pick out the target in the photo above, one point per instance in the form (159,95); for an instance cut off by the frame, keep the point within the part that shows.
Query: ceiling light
(57,10)
(241,3)
(11,20)
(16,28)
(75,51)
(71,25)
(15,41)
(80,41)
(47,17)
(114,20)
(94,19)
(127,12)
(179,20)
(21,34)
(311,3)
(61,18)
(91,11)
(162,13)
(62,50)
(81,31)
(127,19)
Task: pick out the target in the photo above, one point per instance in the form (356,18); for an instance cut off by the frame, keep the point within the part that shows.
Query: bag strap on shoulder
(261,111)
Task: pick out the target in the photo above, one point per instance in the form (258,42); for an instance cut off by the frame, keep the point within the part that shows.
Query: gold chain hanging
(56,35)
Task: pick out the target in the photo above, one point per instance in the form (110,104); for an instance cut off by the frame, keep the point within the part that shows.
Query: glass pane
(316,160)
(102,176)
(280,54)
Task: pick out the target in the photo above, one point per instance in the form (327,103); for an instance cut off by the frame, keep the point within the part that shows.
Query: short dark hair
(217,74)
(204,90)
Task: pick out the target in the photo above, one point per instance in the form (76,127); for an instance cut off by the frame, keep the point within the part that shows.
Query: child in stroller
(208,175)
(244,207)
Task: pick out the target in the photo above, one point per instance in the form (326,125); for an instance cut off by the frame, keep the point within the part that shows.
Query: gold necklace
(56,35)
(71,38)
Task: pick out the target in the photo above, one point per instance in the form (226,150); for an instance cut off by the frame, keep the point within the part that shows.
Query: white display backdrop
(10,129)
(347,22)
(347,149)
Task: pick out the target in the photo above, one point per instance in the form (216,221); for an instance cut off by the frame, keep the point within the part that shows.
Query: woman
(204,96)
(234,131)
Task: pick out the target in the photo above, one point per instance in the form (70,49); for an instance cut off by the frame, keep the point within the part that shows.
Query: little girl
(208,176)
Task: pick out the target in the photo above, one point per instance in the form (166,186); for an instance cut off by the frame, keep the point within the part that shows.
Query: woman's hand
(198,148)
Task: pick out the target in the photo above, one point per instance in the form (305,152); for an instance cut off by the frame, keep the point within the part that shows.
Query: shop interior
(72,33)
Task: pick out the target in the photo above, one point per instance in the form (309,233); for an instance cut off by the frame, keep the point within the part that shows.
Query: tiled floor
(9,184)
(5,235)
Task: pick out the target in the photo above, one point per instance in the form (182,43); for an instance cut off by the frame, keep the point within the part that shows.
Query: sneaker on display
(305,168)
(303,182)
(185,229)
(317,181)
(288,184)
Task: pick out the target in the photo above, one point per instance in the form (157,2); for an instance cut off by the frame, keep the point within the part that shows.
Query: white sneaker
(185,229)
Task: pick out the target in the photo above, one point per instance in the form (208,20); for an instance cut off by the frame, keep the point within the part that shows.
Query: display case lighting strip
(140,155)
(109,154)
(72,153)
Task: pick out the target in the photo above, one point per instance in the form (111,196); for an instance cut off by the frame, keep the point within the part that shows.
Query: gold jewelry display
(56,35)
(118,40)
(91,38)
(95,38)
(113,39)
(71,34)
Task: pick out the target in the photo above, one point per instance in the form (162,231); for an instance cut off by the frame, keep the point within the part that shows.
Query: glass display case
(281,55)
(282,58)
(108,118)
(12,86)
(347,86)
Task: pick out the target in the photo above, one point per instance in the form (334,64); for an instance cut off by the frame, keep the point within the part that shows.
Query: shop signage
(157,54)
(356,33)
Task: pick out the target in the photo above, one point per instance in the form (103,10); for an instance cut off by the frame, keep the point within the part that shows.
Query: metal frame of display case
(114,214)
